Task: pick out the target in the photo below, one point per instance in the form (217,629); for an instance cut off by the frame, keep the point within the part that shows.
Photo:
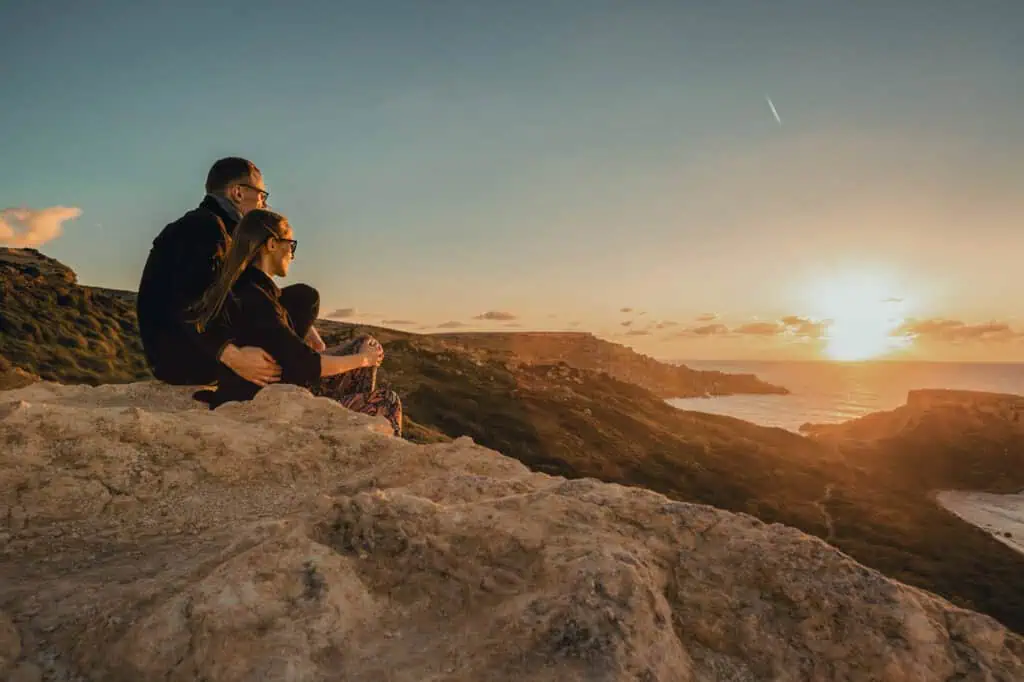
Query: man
(182,263)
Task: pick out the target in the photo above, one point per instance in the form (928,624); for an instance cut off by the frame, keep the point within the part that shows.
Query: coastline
(1000,515)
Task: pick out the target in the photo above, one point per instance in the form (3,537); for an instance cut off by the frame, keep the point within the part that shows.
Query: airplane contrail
(774,112)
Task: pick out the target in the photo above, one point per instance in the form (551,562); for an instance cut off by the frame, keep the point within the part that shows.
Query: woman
(246,301)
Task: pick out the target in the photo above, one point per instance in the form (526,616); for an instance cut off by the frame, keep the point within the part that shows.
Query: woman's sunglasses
(293,243)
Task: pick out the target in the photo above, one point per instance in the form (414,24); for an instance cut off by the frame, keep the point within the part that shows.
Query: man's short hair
(227,171)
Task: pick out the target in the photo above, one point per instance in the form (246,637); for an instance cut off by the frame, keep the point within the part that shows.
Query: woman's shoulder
(249,299)
(247,288)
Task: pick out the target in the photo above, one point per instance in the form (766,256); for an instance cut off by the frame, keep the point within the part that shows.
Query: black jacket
(182,263)
(255,317)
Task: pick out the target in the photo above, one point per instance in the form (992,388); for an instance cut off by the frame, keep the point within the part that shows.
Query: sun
(863,316)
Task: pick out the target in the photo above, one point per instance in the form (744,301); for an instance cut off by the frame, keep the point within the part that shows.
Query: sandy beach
(1000,515)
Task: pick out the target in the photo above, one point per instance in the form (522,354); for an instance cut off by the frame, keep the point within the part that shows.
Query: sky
(473,165)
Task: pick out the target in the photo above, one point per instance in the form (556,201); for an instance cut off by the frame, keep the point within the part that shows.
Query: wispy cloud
(803,326)
(625,310)
(30,228)
(496,315)
(707,330)
(451,324)
(399,323)
(760,328)
(707,317)
(940,329)
(343,313)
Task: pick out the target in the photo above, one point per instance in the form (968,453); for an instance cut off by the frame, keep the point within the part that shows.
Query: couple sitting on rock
(210,312)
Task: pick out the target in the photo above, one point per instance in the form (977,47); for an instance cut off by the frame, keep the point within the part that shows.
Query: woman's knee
(302,296)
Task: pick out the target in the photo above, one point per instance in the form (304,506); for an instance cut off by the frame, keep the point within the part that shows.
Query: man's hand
(252,364)
(314,341)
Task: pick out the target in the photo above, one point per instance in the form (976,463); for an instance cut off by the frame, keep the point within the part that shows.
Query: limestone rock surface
(144,537)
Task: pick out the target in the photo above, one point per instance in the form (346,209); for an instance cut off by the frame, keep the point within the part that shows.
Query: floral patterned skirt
(357,390)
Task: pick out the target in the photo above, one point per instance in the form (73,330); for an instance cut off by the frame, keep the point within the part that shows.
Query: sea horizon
(829,392)
(826,361)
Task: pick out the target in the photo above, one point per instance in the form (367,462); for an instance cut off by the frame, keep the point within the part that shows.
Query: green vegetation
(60,331)
(586,351)
(869,497)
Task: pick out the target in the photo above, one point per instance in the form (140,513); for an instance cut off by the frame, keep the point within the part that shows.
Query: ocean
(835,392)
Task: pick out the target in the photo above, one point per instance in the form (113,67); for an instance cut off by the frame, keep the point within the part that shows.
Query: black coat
(182,263)
(255,316)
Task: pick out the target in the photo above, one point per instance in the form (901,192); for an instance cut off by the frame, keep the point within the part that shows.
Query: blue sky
(557,160)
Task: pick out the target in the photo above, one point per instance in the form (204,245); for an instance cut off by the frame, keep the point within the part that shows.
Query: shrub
(71,341)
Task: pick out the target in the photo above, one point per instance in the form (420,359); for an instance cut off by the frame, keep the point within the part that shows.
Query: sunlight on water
(832,392)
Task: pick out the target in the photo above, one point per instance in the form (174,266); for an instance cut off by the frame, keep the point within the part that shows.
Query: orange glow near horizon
(863,317)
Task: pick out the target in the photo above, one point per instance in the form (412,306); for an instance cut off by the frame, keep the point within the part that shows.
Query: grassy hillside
(586,351)
(862,495)
(52,327)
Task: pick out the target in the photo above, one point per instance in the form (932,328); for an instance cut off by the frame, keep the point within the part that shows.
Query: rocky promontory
(586,351)
(287,539)
(939,439)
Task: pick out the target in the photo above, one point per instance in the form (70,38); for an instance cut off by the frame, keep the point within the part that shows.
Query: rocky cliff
(586,351)
(286,539)
(939,439)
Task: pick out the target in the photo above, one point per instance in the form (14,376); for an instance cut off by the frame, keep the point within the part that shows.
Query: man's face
(249,193)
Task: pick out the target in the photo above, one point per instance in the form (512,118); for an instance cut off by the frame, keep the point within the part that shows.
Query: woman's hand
(372,344)
(372,355)
(314,341)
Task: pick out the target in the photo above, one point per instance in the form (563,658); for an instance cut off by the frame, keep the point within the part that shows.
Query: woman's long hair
(251,233)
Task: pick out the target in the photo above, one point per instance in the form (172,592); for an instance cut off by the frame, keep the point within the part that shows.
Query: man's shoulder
(198,223)
(200,216)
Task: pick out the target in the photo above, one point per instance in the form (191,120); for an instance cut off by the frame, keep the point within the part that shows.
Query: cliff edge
(286,539)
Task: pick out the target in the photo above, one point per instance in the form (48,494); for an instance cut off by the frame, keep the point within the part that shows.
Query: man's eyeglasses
(264,194)
(294,243)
